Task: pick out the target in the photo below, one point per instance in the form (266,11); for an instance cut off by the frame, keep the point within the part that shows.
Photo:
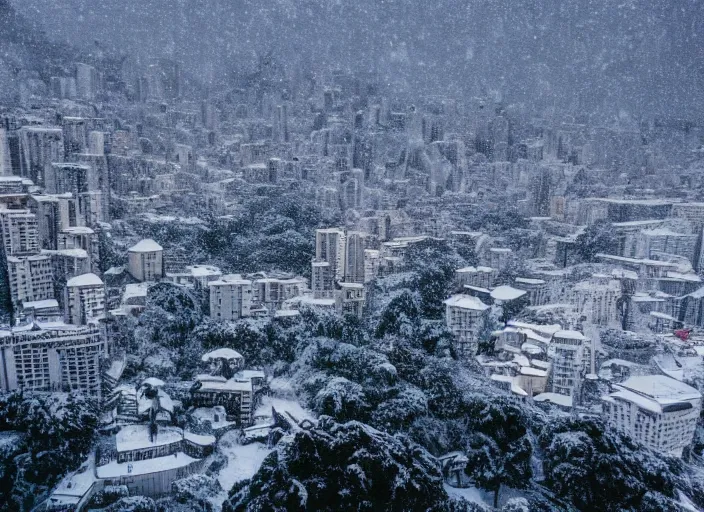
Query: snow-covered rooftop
(204,270)
(146,245)
(230,279)
(555,398)
(506,293)
(661,388)
(88,279)
(221,353)
(199,439)
(78,230)
(136,437)
(466,302)
(143,467)
(572,335)
(41,304)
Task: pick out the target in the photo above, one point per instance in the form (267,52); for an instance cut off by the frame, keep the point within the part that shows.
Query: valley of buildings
(106,147)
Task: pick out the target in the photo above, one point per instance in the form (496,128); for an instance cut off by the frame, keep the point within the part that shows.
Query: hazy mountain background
(640,56)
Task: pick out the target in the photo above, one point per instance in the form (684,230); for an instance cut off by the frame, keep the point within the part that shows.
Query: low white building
(655,410)
(272,291)
(465,316)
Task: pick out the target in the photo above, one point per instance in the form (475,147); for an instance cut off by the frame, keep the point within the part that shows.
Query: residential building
(330,246)
(52,357)
(322,280)
(84,299)
(355,245)
(655,410)
(570,355)
(31,279)
(230,298)
(20,232)
(41,146)
(145,261)
(271,292)
(465,317)
(228,384)
(350,299)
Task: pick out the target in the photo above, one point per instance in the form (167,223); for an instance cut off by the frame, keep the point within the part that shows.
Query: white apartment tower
(52,358)
(330,247)
(230,298)
(84,299)
(20,232)
(349,299)
(31,278)
(570,358)
(356,243)
(656,410)
(145,261)
(321,280)
(465,317)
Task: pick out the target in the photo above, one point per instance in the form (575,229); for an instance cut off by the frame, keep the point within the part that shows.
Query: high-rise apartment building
(30,278)
(230,298)
(146,260)
(465,317)
(330,247)
(84,299)
(655,410)
(41,146)
(52,357)
(569,360)
(20,234)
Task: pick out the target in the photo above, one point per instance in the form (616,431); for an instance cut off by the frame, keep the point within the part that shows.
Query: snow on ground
(468,493)
(283,405)
(686,503)
(243,461)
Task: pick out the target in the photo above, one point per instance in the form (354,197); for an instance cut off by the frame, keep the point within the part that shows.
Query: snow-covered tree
(597,468)
(348,466)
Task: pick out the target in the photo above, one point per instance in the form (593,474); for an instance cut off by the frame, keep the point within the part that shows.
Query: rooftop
(136,437)
(146,245)
(89,279)
(572,335)
(506,293)
(466,302)
(143,467)
(221,353)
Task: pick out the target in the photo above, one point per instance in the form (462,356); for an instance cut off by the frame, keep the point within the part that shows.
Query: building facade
(656,410)
(230,298)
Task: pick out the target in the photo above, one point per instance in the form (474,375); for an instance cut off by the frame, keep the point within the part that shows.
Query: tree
(600,237)
(196,491)
(398,412)
(343,466)
(432,263)
(492,465)
(342,399)
(54,434)
(497,445)
(596,468)
(247,337)
(401,316)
